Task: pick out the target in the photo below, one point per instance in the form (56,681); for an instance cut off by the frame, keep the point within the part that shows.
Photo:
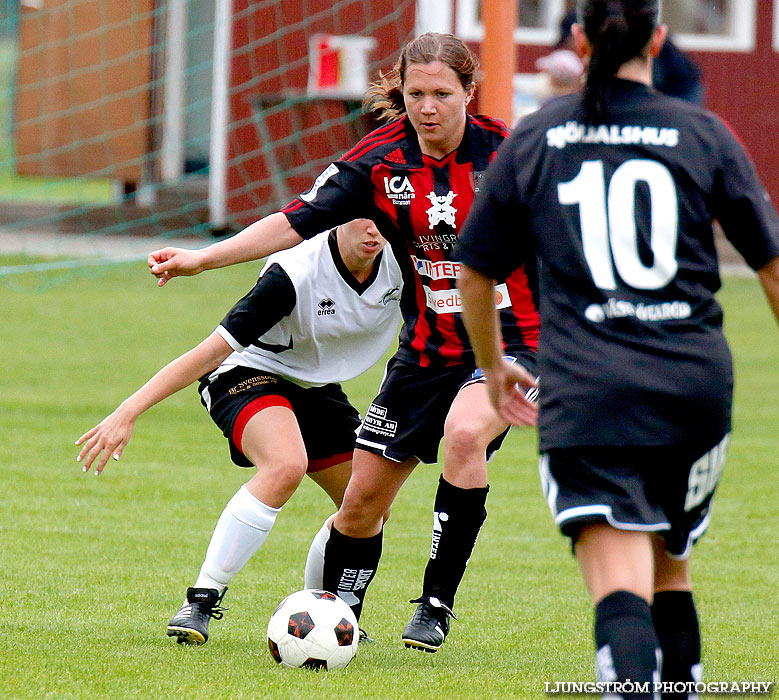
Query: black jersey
(631,349)
(420,203)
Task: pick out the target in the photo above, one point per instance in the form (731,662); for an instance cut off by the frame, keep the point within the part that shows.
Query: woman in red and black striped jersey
(416,177)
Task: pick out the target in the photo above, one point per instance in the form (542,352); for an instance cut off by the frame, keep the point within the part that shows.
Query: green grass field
(92,568)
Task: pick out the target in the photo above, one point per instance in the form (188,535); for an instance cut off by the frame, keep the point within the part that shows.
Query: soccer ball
(313,629)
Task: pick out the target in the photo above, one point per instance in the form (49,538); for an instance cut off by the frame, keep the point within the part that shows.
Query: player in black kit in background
(615,192)
(416,177)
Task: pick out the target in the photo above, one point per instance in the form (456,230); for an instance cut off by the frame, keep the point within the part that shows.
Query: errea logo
(399,190)
(326,307)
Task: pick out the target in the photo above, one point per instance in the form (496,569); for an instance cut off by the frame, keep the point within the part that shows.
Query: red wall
(270,54)
(743,89)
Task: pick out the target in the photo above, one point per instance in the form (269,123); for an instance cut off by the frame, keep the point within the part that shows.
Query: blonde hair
(384,98)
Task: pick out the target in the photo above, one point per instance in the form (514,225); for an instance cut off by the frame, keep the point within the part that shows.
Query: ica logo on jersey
(399,189)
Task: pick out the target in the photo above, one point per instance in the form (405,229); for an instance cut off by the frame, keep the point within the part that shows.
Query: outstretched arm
(506,383)
(769,278)
(256,241)
(110,436)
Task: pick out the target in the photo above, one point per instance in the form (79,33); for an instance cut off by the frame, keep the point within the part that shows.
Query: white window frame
(776,25)
(742,38)
(469,28)
(434,16)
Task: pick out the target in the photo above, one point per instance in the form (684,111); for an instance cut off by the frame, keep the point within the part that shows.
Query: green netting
(70,99)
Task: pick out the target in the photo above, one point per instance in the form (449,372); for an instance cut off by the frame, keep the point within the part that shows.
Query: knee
(362,512)
(284,473)
(463,439)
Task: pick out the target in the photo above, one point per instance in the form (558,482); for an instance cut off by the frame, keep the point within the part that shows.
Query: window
(716,25)
(701,25)
(776,25)
(539,21)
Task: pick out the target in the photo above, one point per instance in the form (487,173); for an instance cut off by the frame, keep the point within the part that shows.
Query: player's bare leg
(671,574)
(333,480)
(676,620)
(459,512)
(372,488)
(618,570)
(471,425)
(272,441)
(615,560)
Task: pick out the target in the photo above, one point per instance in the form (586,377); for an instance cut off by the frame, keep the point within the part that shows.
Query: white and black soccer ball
(313,629)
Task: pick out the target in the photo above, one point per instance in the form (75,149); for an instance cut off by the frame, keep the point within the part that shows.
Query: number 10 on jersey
(607,216)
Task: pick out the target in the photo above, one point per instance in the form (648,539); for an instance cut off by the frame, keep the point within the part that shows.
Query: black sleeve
(342,192)
(495,234)
(271,299)
(742,206)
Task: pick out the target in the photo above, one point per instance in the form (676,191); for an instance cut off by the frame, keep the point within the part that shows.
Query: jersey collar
(347,276)
(416,159)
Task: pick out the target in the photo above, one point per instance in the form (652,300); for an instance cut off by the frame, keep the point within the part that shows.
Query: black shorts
(667,490)
(327,421)
(407,418)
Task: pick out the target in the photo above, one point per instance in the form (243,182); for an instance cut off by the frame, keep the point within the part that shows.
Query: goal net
(147,119)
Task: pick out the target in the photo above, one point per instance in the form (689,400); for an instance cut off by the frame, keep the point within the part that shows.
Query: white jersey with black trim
(337,328)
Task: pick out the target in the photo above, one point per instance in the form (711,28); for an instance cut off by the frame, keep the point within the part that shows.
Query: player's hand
(508,385)
(105,440)
(167,263)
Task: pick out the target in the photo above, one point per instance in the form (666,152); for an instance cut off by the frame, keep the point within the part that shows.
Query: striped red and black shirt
(420,204)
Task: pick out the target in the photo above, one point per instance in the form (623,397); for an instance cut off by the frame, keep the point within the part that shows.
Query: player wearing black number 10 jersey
(615,191)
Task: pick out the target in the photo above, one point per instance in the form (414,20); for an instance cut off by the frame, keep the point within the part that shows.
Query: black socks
(676,625)
(350,565)
(459,515)
(626,643)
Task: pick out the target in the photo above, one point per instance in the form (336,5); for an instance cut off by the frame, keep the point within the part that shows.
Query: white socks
(239,533)
(316,557)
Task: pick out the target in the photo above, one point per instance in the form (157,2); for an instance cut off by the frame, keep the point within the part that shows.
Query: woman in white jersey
(321,313)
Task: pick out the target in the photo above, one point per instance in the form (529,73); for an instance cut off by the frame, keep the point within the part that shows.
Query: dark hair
(618,30)
(568,20)
(384,97)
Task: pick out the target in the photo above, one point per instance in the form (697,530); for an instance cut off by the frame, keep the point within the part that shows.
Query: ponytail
(384,97)
(618,31)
